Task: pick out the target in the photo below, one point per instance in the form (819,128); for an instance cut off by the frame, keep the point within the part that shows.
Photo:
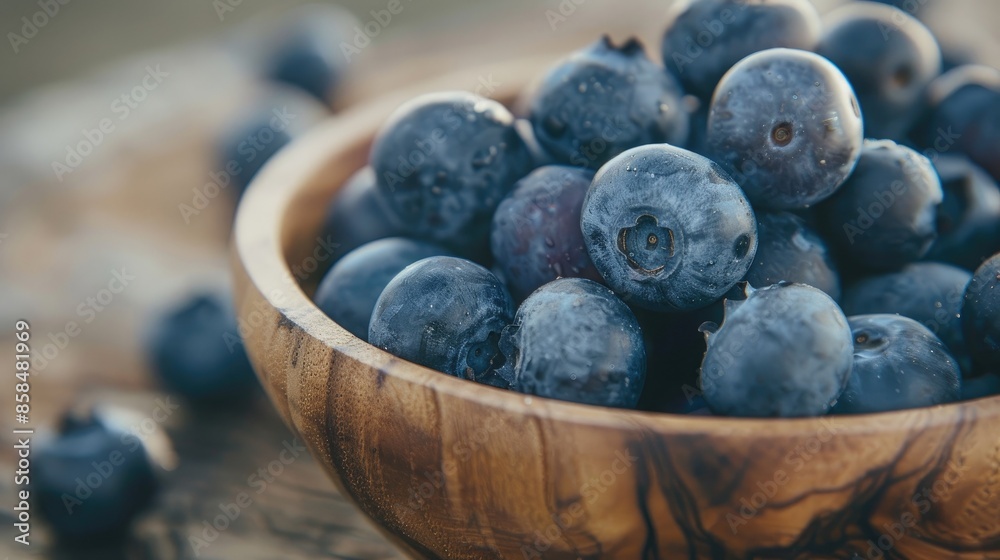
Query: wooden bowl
(451,469)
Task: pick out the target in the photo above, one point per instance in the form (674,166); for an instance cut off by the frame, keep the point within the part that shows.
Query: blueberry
(350,289)
(981,315)
(981,387)
(447,314)
(536,235)
(783,351)
(667,228)
(790,251)
(573,340)
(705,38)
(786,125)
(929,293)
(965,115)
(898,364)
(84,450)
(308,54)
(253,140)
(888,56)
(884,215)
(196,351)
(968,219)
(356,215)
(603,100)
(444,161)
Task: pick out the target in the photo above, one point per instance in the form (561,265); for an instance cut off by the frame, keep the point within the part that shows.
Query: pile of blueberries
(783,220)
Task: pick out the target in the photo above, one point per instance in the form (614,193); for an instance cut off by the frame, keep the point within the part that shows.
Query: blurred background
(113,115)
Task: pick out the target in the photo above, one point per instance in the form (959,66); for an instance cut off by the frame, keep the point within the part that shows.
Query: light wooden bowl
(451,469)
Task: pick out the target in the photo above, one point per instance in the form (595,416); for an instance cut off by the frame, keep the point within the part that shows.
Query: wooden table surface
(62,240)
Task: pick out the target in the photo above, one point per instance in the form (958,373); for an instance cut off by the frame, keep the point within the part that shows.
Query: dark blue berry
(981,387)
(447,314)
(573,340)
(91,480)
(786,125)
(668,229)
(898,364)
(884,216)
(536,235)
(350,289)
(604,100)
(981,315)
(783,351)
(968,219)
(355,216)
(965,115)
(196,350)
(888,56)
(250,143)
(443,163)
(705,38)
(790,251)
(929,293)
(308,54)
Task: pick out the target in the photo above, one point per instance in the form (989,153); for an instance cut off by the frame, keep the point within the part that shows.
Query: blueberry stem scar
(645,258)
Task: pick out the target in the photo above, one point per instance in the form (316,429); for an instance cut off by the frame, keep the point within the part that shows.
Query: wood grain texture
(455,470)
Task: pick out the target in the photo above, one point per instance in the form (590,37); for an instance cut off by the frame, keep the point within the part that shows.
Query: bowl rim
(256,246)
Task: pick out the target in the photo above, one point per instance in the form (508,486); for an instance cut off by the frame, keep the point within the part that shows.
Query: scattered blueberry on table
(195,349)
(91,480)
